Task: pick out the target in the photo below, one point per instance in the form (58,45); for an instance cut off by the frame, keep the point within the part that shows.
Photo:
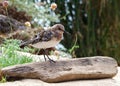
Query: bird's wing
(41,36)
(35,39)
(47,35)
(23,44)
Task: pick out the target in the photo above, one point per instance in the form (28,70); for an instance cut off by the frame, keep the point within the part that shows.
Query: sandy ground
(115,81)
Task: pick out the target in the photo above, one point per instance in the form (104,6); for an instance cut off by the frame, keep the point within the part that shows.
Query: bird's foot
(45,54)
(50,59)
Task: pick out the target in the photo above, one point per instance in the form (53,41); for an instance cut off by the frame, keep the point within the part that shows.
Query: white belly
(46,44)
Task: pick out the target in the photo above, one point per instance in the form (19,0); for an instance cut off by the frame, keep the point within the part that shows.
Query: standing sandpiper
(46,39)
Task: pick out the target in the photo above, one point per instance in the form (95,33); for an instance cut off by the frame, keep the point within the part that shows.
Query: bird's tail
(23,44)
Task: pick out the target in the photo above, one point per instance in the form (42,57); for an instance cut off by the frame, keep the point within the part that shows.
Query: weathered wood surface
(65,70)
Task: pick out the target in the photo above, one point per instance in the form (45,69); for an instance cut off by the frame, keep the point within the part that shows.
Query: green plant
(3,80)
(75,46)
(9,55)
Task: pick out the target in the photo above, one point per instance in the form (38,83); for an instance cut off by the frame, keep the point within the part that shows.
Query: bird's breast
(46,44)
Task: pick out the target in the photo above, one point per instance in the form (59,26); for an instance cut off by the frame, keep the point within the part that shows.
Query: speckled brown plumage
(51,36)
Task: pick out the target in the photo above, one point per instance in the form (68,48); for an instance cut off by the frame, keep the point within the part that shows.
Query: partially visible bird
(46,38)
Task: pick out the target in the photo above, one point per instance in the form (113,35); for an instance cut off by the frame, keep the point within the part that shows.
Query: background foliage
(94,27)
(41,13)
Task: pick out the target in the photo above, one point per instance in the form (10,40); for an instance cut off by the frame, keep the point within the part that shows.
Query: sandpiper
(46,38)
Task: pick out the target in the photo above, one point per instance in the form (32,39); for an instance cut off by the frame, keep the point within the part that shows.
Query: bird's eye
(35,36)
(60,29)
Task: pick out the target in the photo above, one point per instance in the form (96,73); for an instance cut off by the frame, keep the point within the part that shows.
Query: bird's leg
(48,56)
(44,54)
(50,59)
(38,53)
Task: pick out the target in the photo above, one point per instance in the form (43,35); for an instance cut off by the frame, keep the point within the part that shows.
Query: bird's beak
(63,30)
(66,32)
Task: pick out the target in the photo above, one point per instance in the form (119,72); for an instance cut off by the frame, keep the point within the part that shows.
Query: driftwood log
(65,70)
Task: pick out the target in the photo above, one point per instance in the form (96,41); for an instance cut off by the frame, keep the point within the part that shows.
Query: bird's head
(58,27)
